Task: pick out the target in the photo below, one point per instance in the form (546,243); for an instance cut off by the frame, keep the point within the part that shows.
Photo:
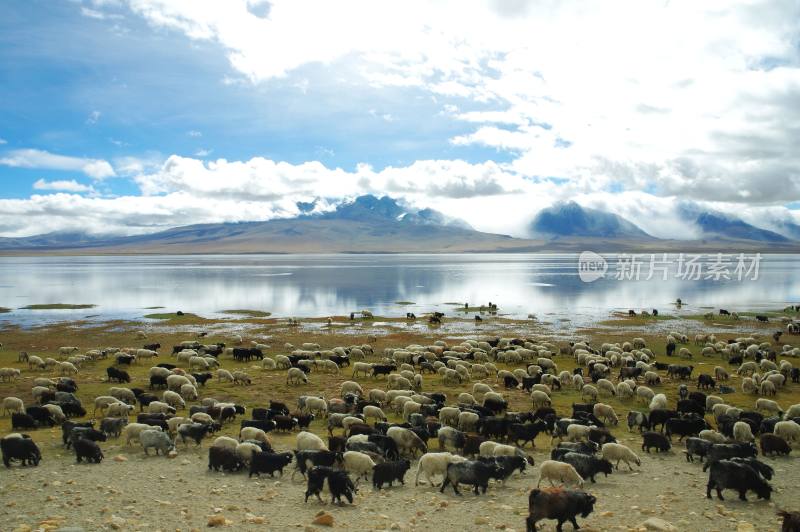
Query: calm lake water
(547,285)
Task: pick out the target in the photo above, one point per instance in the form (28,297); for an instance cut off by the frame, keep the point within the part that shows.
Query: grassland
(247,312)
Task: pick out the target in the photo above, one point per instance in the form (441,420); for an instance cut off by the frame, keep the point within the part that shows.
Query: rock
(218,520)
(394,526)
(323,519)
(654,523)
(481,521)
(172,454)
(255,519)
(120,458)
(607,514)
(116,522)
(744,526)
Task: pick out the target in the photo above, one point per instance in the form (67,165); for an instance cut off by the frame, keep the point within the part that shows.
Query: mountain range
(369,224)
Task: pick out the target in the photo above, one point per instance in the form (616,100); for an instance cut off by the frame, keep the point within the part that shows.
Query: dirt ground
(132,492)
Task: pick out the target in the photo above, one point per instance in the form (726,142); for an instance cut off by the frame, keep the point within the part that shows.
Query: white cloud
(62,185)
(30,158)
(3,141)
(93,118)
(203,152)
(696,99)
(92,13)
(194,133)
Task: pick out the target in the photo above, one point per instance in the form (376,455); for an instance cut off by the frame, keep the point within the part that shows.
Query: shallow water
(547,285)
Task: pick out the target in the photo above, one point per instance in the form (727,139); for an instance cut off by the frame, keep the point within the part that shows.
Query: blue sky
(129,116)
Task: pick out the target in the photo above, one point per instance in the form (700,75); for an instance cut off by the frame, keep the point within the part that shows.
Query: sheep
(13,405)
(102,402)
(616,453)
(174,422)
(448,416)
(712,436)
(658,402)
(119,410)
(352,387)
(225,442)
(133,430)
(188,392)
(792,412)
(468,421)
(316,406)
(590,391)
(540,399)
(577,382)
(606,413)
(240,377)
(67,351)
(767,388)
(56,413)
(254,434)
(769,406)
(407,441)
(562,505)
(553,471)
(35,362)
(223,375)
(307,441)
(788,430)
(577,432)
(245,451)
(605,385)
(295,376)
(435,464)
(174,382)
(742,432)
(624,391)
(358,464)
(160,407)
(66,368)
(373,412)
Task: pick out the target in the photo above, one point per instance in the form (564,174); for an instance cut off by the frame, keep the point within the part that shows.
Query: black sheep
(587,466)
(759,467)
(657,440)
(772,444)
(389,472)
(269,463)
(85,433)
(223,458)
(726,474)
(560,504)
(791,521)
(117,375)
(506,465)
(525,432)
(316,458)
(41,415)
(87,449)
(725,451)
(23,449)
(696,446)
(22,421)
(339,484)
(476,474)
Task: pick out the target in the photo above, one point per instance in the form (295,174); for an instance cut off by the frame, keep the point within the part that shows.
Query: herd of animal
(477,438)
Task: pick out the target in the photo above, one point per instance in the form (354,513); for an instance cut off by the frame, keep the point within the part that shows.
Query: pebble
(323,519)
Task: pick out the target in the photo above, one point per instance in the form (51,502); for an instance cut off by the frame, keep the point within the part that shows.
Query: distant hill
(571,220)
(365,225)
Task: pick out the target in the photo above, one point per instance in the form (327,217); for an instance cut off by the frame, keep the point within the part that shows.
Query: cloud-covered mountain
(715,225)
(572,220)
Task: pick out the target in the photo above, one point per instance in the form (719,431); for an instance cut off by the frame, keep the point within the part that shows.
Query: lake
(548,285)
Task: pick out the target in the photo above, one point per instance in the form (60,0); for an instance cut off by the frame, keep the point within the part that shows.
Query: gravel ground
(158,493)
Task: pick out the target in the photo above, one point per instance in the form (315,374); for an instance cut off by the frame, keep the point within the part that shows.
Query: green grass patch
(173,319)
(249,313)
(57,306)
(152,308)
(404,303)
(3,310)
(622,318)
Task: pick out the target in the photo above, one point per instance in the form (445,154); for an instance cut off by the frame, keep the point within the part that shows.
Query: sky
(132,116)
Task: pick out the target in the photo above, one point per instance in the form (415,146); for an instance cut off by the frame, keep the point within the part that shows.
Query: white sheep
(448,416)
(769,406)
(125,395)
(589,391)
(174,382)
(616,453)
(268,364)
(713,436)
(577,432)
(359,464)
(792,412)
(606,413)
(67,351)
(66,368)
(560,472)
(742,432)
(225,442)
(658,402)
(223,375)
(188,392)
(540,399)
(788,430)
(245,451)
(606,386)
(465,398)
(577,382)
(712,400)
(240,377)
(174,422)
(624,391)
(13,405)
(133,430)
(307,441)
(35,362)
(435,464)
(373,412)
(156,371)
(316,406)
(119,410)
(253,433)
(296,376)
(103,401)
(282,362)
(351,387)
(56,413)
(377,396)
(202,417)
(468,421)
(159,407)
(173,399)
(767,388)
